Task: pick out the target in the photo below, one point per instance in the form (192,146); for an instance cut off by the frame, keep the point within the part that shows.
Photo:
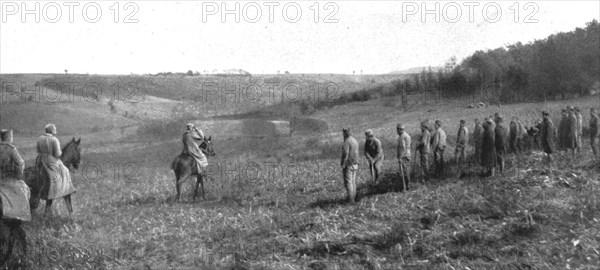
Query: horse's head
(71,154)
(207,146)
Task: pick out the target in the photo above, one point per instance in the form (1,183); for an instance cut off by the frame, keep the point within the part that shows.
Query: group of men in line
(568,136)
(374,154)
(492,141)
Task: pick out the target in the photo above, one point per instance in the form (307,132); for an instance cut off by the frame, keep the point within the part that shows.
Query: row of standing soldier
(491,139)
(374,155)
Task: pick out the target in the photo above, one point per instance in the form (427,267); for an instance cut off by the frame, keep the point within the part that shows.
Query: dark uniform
(547,134)
(488,147)
(477,140)
(594,133)
(439,145)
(424,147)
(14,193)
(349,165)
(501,142)
(461,143)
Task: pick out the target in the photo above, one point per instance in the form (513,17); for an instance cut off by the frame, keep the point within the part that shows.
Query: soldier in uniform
(438,145)
(461,142)
(403,154)
(59,184)
(536,133)
(501,141)
(562,130)
(488,147)
(594,131)
(515,133)
(374,154)
(14,193)
(547,135)
(423,146)
(349,164)
(570,140)
(477,139)
(190,139)
(579,118)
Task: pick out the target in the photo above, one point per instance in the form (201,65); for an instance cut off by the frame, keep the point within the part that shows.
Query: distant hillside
(416,70)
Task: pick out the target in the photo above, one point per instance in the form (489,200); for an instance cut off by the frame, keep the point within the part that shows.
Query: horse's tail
(174,163)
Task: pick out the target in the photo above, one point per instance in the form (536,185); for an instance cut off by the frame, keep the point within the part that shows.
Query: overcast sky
(373,36)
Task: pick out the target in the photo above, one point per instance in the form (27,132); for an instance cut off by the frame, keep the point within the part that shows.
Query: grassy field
(279,203)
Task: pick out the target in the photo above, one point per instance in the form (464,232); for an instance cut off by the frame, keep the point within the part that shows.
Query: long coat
(488,146)
(514,132)
(570,133)
(477,135)
(501,138)
(49,152)
(594,127)
(562,132)
(547,135)
(190,141)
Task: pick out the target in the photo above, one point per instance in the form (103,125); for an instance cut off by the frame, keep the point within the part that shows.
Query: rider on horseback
(191,138)
(14,193)
(48,159)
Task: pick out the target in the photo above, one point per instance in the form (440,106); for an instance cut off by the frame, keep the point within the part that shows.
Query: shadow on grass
(389,182)
(360,248)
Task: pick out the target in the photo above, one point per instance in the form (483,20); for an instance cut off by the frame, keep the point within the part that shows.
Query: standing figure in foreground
(48,159)
(501,141)
(488,147)
(547,135)
(594,132)
(374,154)
(403,155)
(349,164)
(438,145)
(424,147)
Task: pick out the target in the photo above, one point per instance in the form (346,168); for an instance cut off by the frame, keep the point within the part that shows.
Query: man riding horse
(192,161)
(48,160)
(191,137)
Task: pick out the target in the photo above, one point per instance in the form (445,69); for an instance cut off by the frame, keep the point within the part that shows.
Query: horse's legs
(48,207)
(177,187)
(199,182)
(69,205)
(198,179)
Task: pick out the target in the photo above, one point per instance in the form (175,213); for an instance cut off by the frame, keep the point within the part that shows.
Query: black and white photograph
(299,135)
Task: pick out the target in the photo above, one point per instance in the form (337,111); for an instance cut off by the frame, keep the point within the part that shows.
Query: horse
(184,167)
(37,178)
